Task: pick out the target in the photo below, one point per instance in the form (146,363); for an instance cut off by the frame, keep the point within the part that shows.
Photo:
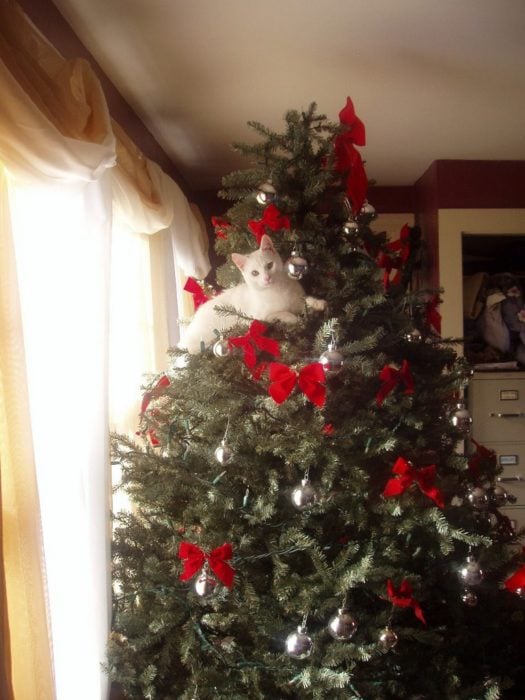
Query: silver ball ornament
(470,598)
(223,453)
(413,336)
(304,495)
(478,498)
(350,227)
(461,419)
(222,348)
(266,193)
(500,497)
(296,266)
(204,584)
(342,625)
(388,638)
(331,360)
(471,573)
(299,644)
(368,210)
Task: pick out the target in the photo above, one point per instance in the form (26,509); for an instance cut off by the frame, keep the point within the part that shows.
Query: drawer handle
(506,479)
(507,415)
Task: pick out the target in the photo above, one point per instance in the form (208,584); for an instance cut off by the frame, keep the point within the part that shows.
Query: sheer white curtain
(89,287)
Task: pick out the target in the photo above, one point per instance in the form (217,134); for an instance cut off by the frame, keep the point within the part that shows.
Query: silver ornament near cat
(267,294)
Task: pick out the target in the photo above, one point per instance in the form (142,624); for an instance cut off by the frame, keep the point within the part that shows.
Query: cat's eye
(255,273)
(269,265)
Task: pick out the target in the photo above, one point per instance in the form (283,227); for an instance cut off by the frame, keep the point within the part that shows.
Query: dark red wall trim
(480,184)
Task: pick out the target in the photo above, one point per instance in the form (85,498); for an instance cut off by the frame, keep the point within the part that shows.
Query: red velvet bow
(406,475)
(194,559)
(311,380)
(253,339)
(348,117)
(348,159)
(388,263)
(402,598)
(194,288)
(391,377)
(221,226)
(433,317)
(516,581)
(402,245)
(152,393)
(475,459)
(271,219)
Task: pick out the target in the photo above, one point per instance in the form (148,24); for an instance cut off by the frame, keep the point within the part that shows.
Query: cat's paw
(316,304)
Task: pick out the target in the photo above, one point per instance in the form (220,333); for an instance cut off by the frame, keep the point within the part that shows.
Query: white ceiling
(431,79)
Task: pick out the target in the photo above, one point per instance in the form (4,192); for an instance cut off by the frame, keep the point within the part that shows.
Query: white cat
(267,294)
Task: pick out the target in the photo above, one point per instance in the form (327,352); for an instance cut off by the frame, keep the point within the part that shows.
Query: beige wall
(392,223)
(451,224)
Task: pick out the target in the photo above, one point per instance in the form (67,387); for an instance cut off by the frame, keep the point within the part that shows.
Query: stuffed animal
(503,319)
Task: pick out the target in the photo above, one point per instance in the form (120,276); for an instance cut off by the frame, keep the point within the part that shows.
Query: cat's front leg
(316,304)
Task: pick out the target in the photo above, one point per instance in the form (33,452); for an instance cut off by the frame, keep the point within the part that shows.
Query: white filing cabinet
(496,401)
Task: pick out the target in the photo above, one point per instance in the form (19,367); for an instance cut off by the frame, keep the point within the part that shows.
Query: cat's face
(260,268)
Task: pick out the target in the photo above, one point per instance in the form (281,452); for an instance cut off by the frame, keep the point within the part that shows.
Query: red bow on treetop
(406,475)
(391,377)
(347,157)
(272,219)
(516,581)
(402,598)
(432,315)
(194,288)
(253,339)
(194,559)
(311,380)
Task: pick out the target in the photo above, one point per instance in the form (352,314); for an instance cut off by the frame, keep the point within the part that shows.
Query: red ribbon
(271,219)
(152,393)
(194,559)
(348,159)
(402,598)
(253,339)
(194,288)
(517,580)
(391,377)
(432,315)
(389,262)
(311,381)
(406,475)
(221,227)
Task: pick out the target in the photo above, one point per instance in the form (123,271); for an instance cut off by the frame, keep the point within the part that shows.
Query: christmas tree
(306,523)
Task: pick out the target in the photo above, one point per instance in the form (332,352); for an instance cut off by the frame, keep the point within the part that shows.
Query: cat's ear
(267,244)
(239,260)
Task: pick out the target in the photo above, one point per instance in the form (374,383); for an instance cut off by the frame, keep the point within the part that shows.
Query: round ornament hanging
(350,228)
(205,584)
(299,644)
(296,266)
(478,498)
(342,625)
(304,495)
(471,573)
(368,211)
(266,193)
(470,598)
(414,335)
(222,348)
(224,453)
(331,360)
(388,638)
(461,419)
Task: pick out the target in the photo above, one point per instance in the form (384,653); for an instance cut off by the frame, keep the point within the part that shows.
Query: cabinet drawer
(497,407)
